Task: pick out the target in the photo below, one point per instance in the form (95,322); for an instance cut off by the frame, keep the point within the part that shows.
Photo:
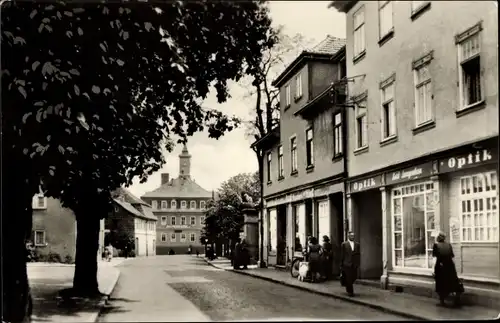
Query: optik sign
(479,157)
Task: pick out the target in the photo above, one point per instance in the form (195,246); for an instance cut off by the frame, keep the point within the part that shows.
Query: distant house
(133,219)
(54,229)
(179,206)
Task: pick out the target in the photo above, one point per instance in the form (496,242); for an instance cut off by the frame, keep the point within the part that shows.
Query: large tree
(90,94)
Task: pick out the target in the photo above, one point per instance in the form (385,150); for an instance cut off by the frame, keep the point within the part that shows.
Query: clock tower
(185,163)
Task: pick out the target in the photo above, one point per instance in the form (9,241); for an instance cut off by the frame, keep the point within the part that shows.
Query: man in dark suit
(349,262)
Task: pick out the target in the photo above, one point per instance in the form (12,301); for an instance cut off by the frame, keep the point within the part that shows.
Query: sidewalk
(47,279)
(406,305)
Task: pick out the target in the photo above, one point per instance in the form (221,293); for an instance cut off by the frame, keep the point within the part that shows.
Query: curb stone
(104,300)
(344,298)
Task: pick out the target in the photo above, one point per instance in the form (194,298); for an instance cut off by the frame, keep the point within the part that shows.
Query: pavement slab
(407,305)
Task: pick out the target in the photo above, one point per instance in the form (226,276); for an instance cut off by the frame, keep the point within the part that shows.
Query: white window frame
(293,154)
(364,130)
(164,205)
(173,204)
(173,237)
(359,40)
(192,205)
(482,199)
(183,237)
(44,243)
(269,165)
(337,134)
(202,205)
(192,237)
(390,101)
(288,96)
(183,204)
(310,147)
(281,169)
(163,220)
(202,220)
(382,7)
(406,191)
(191,222)
(183,220)
(298,86)
(426,86)
(163,237)
(173,220)
(36,205)
(154,204)
(463,39)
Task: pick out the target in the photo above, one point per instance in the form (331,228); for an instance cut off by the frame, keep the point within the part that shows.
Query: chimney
(164,178)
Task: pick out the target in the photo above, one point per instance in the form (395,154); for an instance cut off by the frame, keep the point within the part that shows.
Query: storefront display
(273,234)
(323,220)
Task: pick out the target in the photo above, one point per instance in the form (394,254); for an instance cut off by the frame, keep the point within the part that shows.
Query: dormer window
(163,205)
(173,204)
(192,205)
(183,204)
(288,96)
(298,86)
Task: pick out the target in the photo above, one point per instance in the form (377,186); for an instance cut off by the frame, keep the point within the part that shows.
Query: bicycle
(294,268)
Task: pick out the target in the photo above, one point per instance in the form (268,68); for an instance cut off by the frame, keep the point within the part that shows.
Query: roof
(271,136)
(182,186)
(132,204)
(148,212)
(127,196)
(132,210)
(342,6)
(327,48)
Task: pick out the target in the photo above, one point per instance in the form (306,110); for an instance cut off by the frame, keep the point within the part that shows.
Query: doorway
(309,219)
(282,235)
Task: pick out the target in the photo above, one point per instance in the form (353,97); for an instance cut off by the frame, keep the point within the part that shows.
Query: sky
(215,161)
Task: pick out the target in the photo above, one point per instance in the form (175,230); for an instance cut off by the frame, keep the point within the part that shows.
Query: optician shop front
(455,192)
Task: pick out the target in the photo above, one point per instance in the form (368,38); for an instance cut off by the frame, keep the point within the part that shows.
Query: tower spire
(185,163)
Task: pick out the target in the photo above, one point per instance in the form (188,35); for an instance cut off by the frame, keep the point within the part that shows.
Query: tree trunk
(16,227)
(260,159)
(87,244)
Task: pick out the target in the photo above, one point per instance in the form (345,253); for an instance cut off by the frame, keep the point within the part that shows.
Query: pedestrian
(445,273)
(189,250)
(327,260)
(237,254)
(125,251)
(314,255)
(109,252)
(197,253)
(349,261)
(171,252)
(245,254)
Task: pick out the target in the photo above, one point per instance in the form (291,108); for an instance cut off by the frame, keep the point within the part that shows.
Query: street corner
(107,277)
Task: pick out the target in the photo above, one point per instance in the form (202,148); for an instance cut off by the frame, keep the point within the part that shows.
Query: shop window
(300,219)
(413,225)
(479,208)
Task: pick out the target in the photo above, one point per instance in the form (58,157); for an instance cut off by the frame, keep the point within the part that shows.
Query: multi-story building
(304,166)
(423,138)
(179,205)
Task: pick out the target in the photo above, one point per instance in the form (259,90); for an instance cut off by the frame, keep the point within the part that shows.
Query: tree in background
(224,217)
(92,91)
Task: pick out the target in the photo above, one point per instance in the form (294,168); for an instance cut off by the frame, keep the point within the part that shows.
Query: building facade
(179,206)
(54,230)
(131,218)
(304,166)
(423,138)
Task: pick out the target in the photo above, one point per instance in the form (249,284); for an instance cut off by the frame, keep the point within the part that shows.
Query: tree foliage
(224,216)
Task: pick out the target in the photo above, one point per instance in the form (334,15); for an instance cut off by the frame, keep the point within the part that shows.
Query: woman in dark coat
(445,273)
(314,253)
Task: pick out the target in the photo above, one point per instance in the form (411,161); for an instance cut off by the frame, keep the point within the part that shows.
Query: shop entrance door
(281,226)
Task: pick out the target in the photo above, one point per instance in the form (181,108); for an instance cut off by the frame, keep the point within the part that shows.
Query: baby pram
(304,272)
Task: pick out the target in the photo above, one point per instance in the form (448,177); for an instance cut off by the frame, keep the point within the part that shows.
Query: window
(337,134)
(183,204)
(470,70)
(298,86)
(288,98)
(163,220)
(173,237)
(163,237)
(192,220)
(39,202)
(154,204)
(172,220)
(361,124)
(293,153)
(388,112)
(385,18)
(183,237)
(192,237)
(269,158)
(359,31)
(413,225)
(417,5)
(309,147)
(192,205)
(202,220)
(423,95)
(280,163)
(163,205)
(183,220)
(40,238)
(479,210)
(202,205)
(173,204)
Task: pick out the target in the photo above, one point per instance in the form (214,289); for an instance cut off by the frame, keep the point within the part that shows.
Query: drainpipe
(344,149)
